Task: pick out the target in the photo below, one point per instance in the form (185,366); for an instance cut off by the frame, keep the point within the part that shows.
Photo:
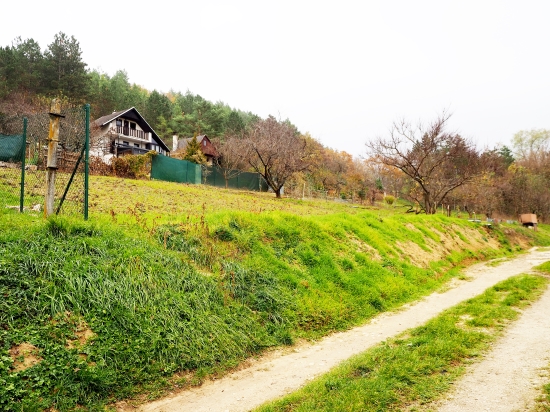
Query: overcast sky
(340,70)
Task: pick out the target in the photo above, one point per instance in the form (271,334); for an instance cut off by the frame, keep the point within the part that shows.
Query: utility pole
(51,163)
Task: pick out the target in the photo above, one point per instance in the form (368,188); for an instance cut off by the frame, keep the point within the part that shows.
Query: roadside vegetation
(543,404)
(168,284)
(416,367)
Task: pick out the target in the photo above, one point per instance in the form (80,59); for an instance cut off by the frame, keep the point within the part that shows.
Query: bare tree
(231,157)
(275,150)
(436,161)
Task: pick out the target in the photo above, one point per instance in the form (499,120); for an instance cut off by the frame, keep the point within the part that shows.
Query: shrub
(99,167)
(389,199)
(133,166)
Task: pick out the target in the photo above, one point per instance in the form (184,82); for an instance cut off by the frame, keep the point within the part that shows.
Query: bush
(98,167)
(389,199)
(133,166)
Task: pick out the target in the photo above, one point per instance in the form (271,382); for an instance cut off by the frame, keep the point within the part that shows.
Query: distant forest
(30,76)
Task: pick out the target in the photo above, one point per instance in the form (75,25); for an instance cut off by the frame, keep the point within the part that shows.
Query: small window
(204,142)
(125,143)
(133,126)
(119,122)
(136,144)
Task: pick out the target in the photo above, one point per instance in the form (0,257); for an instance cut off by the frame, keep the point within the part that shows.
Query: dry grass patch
(24,356)
(449,242)
(364,247)
(416,255)
(82,332)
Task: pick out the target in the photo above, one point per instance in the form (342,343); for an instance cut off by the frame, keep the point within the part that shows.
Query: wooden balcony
(126,131)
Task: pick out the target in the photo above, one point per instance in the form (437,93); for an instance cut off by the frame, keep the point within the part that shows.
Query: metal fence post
(51,164)
(23,156)
(86,161)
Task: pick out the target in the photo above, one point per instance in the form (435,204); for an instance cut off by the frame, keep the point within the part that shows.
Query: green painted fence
(182,171)
(175,170)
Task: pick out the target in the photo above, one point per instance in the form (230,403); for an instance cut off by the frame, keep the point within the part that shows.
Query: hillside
(169,283)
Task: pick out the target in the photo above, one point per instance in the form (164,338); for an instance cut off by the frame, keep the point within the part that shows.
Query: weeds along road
(280,373)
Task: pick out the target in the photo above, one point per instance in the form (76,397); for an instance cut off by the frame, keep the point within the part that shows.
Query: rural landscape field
(305,244)
(168,284)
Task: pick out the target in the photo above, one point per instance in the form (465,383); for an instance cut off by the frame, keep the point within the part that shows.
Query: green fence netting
(11,147)
(182,171)
(175,170)
(216,176)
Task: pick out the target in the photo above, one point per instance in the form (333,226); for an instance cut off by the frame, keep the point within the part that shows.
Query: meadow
(168,284)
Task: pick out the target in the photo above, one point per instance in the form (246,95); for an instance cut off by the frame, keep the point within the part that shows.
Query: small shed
(528,219)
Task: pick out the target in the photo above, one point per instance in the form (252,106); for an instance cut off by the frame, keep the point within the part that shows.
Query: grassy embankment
(419,365)
(171,279)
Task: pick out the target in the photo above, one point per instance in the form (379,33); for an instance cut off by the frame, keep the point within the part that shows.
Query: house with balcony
(124,132)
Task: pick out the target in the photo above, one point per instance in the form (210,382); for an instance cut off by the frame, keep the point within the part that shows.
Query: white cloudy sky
(341,70)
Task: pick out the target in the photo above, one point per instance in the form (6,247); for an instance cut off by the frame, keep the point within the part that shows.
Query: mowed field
(167,284)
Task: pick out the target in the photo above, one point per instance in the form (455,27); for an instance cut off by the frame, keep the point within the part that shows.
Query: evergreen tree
(157,106)
(193,152)
(100,94)
(164,131)
(119,87)
(64,71)
(234,123)
(20,66)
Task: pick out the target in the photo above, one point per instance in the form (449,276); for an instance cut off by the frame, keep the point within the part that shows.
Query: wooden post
(51,163)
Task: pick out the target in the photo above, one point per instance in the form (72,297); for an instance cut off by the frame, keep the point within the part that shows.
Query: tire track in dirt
(282,372)
(509,377)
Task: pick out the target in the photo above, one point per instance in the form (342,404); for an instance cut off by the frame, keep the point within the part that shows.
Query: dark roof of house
(132,114)
(207,150)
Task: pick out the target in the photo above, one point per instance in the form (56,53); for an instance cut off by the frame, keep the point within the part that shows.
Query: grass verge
(543,403)
(416,367)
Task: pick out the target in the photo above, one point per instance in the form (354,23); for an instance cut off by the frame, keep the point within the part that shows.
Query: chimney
(174,142)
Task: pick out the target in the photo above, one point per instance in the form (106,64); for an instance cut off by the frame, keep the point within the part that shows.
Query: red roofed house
(209,150)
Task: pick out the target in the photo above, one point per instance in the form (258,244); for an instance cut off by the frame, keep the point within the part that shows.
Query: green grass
(178,282)
(421,364)
(545,268)
(543,404)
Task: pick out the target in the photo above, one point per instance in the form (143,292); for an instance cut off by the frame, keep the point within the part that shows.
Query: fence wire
(29,170)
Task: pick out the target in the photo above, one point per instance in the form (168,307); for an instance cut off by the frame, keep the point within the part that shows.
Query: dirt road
(282,372)
(508,378)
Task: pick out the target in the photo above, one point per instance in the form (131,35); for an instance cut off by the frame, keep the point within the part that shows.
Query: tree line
(425,165)
(30,76)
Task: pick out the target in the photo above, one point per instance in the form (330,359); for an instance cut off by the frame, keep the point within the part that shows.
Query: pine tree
(193,152)
(64,71)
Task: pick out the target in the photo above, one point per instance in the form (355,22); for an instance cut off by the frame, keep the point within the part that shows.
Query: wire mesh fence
(23,161)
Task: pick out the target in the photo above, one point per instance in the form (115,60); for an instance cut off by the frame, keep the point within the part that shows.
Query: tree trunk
(278,193)
(428,207)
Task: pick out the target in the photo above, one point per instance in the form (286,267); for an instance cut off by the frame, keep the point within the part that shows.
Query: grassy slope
(170,278)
